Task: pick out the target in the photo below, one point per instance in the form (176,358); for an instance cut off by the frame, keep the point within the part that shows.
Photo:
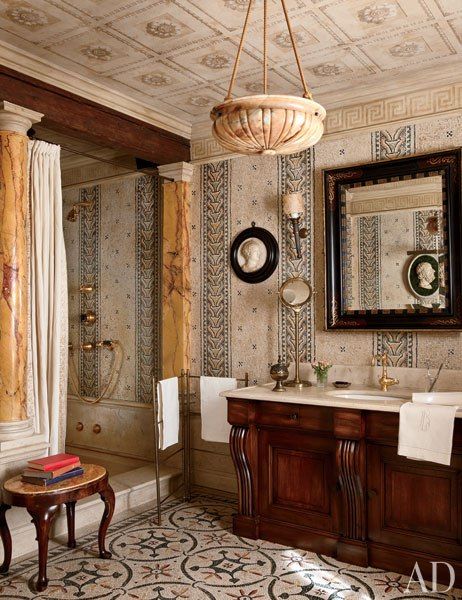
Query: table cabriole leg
(6,539)
(108,497)
(70,514)
(42,517)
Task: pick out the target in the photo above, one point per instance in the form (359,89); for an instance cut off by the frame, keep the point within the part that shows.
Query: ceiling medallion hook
(265,123)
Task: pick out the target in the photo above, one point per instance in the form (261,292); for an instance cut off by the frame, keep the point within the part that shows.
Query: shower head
(75,210)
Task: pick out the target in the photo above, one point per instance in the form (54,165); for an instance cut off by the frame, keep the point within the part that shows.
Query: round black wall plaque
(254,254)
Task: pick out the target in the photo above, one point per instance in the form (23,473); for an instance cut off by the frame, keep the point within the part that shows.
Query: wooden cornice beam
(73,115)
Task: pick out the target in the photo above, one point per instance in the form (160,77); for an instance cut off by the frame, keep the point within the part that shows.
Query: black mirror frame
(272,254)
(450,318)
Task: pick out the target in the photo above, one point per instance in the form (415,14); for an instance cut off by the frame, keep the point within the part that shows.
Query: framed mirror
(393,244)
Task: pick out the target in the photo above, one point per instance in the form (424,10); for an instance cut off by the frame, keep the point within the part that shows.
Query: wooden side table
(42,504)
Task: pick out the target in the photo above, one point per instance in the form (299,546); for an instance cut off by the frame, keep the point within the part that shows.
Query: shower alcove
(112,227)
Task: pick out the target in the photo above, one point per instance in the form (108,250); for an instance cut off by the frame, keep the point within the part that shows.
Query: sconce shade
(268,124)
(293,205)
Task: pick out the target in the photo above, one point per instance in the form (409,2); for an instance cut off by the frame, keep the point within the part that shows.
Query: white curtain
(48,294)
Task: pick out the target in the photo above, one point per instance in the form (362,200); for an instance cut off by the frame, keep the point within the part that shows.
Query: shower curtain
(48,295)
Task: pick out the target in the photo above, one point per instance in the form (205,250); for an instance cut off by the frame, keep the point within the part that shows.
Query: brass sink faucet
(384,381)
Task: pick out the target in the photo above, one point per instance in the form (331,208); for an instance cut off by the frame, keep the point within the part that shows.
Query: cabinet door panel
(296,479)
(413,504)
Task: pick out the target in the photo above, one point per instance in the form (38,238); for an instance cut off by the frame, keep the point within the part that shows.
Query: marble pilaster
(176,281)
(14,269)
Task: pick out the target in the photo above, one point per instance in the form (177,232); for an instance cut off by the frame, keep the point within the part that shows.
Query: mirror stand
(294,293)
(296,381)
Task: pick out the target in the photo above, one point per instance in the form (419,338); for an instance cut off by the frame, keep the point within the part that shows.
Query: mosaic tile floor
(194,556)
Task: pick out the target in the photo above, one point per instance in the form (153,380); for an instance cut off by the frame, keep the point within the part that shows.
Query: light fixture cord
(238,55)
(265,47)
(306,91)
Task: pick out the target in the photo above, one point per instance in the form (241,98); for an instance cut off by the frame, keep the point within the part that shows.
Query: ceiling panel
(177,55)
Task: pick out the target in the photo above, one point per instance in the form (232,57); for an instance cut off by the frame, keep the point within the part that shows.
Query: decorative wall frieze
(148,285)
(367,115)
(90,274)
(400,345)
(215,292)
(296,175)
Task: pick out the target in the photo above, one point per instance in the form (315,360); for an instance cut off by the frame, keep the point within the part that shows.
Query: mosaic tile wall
(115,245)
(239,327)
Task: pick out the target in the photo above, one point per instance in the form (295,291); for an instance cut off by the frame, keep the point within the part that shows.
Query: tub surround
(322,473)
(14,303)
(176,257)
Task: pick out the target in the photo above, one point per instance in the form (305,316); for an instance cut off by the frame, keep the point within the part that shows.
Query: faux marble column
(176,280)
(14,269)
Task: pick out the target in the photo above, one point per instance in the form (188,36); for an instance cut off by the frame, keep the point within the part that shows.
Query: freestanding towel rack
(185,394)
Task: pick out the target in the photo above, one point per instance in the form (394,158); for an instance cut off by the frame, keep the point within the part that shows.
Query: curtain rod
(103,160)
(100,180)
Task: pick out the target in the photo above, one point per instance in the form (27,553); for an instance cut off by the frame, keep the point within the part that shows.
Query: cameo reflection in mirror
(295,292)
(394,244)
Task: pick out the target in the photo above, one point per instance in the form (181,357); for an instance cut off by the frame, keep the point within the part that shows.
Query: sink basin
(444,398)
(369,395)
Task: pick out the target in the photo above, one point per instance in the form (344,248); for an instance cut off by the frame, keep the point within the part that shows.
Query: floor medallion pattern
(194,556)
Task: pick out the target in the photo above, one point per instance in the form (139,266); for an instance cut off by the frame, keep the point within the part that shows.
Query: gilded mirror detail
(393,244)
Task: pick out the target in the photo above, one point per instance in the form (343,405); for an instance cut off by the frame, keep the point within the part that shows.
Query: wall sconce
(293,208)
(75,210)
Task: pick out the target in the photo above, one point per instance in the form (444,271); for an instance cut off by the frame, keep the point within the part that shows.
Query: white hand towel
(214,409)
(426,431)
(168,412)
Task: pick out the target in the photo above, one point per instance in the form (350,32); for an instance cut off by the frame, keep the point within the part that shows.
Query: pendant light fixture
(267,123)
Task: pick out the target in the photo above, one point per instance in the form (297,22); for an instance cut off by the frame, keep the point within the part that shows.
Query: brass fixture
(267,123)
(75,210)
(109,344)
(79,426)
(96,428)
(88,346)
(384,381)
(88,318)
(295,293)
(86,288)
(279,372)
(293,207)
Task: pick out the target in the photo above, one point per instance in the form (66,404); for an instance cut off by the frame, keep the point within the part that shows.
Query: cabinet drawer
(277,413)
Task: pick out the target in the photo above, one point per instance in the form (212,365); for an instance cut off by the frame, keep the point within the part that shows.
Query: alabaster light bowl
(268,124)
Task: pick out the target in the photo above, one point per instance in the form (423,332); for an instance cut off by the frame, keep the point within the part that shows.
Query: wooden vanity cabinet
(330,480)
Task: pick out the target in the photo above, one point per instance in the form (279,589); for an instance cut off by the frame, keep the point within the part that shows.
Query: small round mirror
(295,292)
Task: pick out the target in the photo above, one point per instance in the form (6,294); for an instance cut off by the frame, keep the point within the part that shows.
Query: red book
(49,474)
(51,463)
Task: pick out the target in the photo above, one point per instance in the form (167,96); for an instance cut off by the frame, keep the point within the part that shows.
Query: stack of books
(52,469)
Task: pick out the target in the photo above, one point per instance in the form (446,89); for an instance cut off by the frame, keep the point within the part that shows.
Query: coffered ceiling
(176,56)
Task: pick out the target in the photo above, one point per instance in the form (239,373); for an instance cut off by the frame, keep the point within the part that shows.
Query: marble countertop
(390,401)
